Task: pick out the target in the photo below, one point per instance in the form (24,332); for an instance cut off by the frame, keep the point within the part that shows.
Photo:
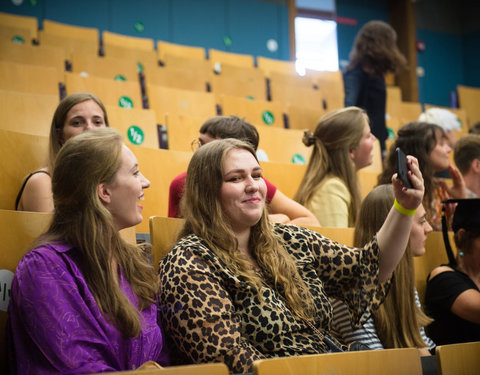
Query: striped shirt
(366,334)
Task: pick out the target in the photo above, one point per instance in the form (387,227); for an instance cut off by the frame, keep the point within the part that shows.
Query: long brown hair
(335,135)
(375,49)
(205,218)
(417,139)
(56,140)
(398,319)
(82,221)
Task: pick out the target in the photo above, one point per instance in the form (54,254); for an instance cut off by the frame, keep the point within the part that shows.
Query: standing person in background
(83,300)
(75,114)
(281,208)
(399,320)
(342,144)
(374,54)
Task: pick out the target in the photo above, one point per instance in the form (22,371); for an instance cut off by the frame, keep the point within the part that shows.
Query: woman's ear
(104,193)
(352,153)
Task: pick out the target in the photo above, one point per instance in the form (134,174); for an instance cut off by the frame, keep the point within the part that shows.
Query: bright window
(316,44)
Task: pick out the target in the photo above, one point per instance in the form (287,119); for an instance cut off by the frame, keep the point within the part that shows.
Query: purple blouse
(56,327)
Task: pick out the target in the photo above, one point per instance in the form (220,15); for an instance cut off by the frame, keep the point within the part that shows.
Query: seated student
(75,114)
(281,208)
(342,145)
(399,321)
(428,143)
(449,122)
(452,297)
(467,160)
(236,288)
(83,300)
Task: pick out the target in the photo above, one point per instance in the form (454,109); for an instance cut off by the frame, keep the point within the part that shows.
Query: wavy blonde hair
(337,133)
(398,320)
(205,218)
(82,221)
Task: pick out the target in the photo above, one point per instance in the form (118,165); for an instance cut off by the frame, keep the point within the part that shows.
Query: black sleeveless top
(19,196)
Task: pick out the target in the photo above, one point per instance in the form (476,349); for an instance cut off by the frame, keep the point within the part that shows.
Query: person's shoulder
(40,179)
(294,233)
(439,270)
(44,256)
(180,179)
(334,185)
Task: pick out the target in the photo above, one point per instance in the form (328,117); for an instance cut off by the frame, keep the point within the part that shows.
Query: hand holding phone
(402,168)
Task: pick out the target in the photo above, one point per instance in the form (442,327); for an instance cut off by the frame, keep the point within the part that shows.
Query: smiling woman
(103,316)
(236,288)
(75,114)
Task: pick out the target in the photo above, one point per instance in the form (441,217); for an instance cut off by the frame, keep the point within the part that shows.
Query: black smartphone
(402,168)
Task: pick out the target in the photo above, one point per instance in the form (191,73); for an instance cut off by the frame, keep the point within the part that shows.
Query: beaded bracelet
(403,210)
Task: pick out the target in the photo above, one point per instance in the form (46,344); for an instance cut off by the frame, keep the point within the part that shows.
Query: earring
(461,253)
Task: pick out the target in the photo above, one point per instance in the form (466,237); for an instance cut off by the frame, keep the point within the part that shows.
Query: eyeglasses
(195,144)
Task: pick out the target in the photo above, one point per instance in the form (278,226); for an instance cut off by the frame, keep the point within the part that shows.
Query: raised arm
(297,214)
(394,234)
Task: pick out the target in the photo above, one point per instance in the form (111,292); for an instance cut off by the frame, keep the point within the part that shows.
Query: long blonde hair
(82,221)
(398,319)
(337,133)
(205,218)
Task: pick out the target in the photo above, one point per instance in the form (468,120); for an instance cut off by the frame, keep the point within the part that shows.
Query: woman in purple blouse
(84,300)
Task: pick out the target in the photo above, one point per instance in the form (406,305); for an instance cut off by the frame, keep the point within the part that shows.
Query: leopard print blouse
(211,315)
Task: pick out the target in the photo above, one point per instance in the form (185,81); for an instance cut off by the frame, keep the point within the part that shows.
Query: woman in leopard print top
(236,288)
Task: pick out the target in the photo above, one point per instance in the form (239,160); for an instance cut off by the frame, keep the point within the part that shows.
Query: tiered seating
(167,100)
(159,167)
(468,98)
(26,112)
(20,155)
(138,126)
(180,78)
(236,59)
(182,130)
(331,85)
(70,38)
(28,78)
(272,65)
(372,362)
(34,55)
(257,112)
(283,145)
(286,177)
(458,359)
(138,50)
(12,26)
(202,369)
(116,93)
(304,118)
(106,67)
(173,49)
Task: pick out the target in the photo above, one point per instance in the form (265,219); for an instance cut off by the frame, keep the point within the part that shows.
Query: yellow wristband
(403,210)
